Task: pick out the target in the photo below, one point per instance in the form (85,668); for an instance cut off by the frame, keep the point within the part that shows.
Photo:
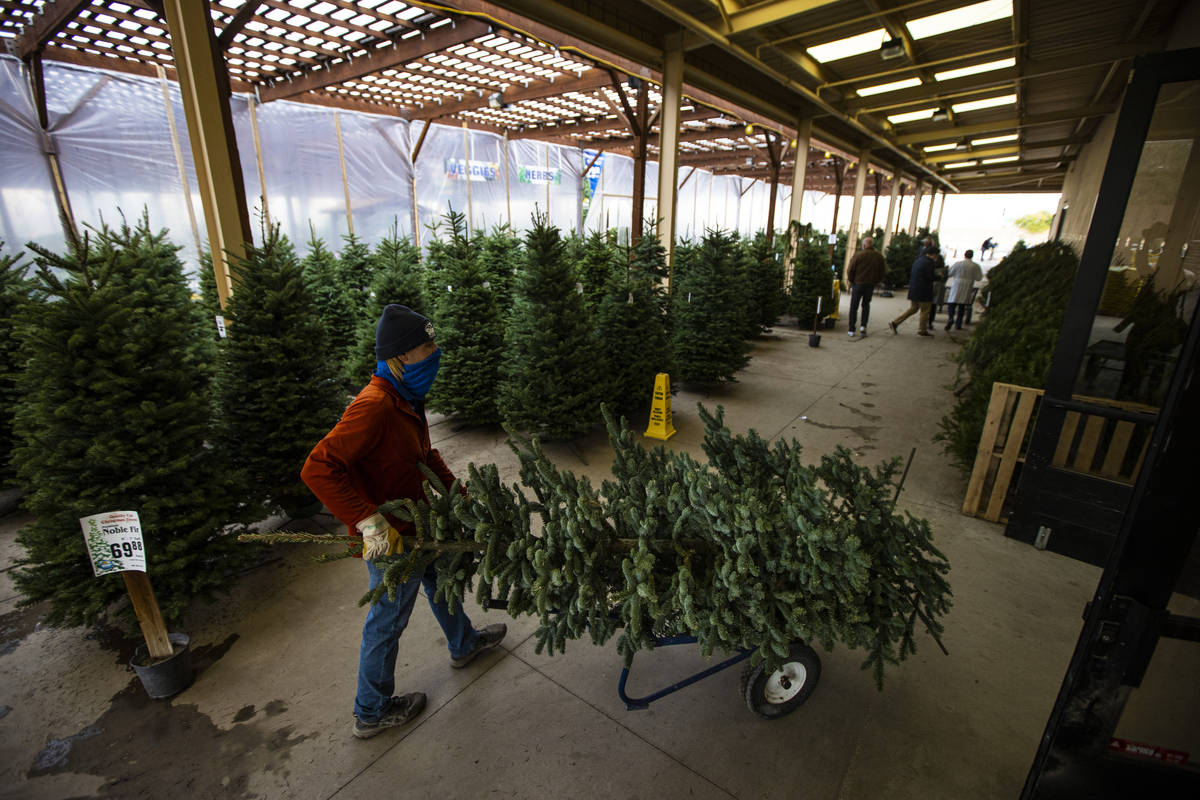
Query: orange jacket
(371,456)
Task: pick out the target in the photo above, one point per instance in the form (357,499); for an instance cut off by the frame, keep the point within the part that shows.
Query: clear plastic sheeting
(113,134)
(243,130)
(443,173)
(488,207)
(303,172)
(543,180)
(28,211)
(379,174)
(116,151)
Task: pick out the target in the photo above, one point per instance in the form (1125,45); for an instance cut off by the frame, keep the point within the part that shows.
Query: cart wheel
(779,693)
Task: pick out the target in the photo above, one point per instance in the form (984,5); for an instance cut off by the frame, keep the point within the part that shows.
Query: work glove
(379,537)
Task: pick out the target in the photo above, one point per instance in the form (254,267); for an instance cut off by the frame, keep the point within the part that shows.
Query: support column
(641,139)
(775,148)
(860,185)
(204,85)
(803,138)
(941,210)
(929,213)
(916,209)
(893,208)
(668,157)
(875,206)
(839,179)
(799,170)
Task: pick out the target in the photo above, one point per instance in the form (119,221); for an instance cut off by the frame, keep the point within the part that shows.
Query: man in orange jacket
(369,458)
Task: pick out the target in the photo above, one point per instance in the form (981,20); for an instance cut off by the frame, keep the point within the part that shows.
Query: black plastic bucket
(170,676)
(814,340)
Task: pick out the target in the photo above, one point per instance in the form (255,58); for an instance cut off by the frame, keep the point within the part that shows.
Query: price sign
(114,542)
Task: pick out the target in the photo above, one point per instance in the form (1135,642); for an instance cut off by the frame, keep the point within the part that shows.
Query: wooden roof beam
(592,79)
(401,52)
(54,17)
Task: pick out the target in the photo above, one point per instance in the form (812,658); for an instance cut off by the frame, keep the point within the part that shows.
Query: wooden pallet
(1089,444)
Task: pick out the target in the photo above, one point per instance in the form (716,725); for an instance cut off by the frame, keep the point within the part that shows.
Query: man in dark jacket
(866,269)
(369,458)
(920,291)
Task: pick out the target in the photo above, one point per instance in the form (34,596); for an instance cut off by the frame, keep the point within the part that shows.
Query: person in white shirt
(962,278)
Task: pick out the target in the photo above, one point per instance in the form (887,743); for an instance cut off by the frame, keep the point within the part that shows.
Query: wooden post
(641,139)
(337,125)
(149,616)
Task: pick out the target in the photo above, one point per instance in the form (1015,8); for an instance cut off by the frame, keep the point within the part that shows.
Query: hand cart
(770,695)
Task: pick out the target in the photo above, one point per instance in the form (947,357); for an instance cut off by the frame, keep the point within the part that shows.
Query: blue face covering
(417,377)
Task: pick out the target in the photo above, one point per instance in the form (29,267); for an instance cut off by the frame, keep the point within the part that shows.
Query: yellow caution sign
(661,426)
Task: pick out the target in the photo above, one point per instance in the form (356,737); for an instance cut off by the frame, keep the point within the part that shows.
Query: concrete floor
(269,713)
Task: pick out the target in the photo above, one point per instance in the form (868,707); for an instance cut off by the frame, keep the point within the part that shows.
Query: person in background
(866,269)
(962,277)
(370,457)
(987,245)
(920,292)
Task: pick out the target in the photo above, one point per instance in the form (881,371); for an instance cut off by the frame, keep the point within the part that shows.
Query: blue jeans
(386,620)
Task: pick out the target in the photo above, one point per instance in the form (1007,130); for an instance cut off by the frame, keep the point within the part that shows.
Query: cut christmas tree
(336,307)
(709,311)
(115,415)
(16,291)
(631,329)
(551,383)
(812,276)
(753,549)
(279,388)
(469,330)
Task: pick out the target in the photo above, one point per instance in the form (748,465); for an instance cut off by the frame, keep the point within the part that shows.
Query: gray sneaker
(488,638)
(400,710)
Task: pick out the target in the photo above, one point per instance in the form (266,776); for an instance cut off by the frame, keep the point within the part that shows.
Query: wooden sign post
(114,542)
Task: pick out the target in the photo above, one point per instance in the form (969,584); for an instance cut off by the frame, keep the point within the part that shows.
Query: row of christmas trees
(117,394)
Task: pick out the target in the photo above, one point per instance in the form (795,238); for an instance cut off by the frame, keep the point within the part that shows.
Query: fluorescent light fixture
(959,18)
(1008,137)
(933,148)
(1000,160)
(850,46)
(880,88)
(960,164)
(963,72)
(987,102)
(911,116)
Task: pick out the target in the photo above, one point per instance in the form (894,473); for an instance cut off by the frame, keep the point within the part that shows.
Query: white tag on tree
(220,326)
(487,284)
(449,288)
(114,542)
(579,288)
(631,298)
